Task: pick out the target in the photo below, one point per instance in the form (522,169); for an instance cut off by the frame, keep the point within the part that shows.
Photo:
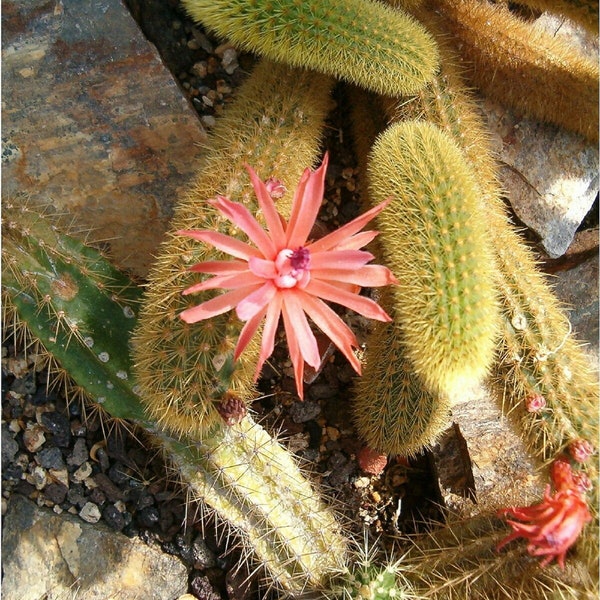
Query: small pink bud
(275,188)
(580,450)
(371,461)
(582,482)
(535,403)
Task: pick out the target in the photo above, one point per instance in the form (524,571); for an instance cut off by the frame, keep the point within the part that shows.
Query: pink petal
(270,329)
(357,241)
(220,267)
(263,268)
(256,301)
(333,327)
(215,306)
(223,242)
(265,201)
(367,276)
(292,309)
(331,240)
(363,306)
(237,213)
(247,333)
(347,260)
(295,354)
(228,282)
(307,202)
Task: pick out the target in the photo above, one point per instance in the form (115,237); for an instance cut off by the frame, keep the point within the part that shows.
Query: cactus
(68,295)
(59,286)
(460,561)
(433,239)
(538,354)
(392,411)
(528,69)
(183,369)
(357,40)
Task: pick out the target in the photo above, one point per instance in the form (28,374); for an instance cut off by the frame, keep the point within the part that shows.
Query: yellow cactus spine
(523,67)
(360,41)
(184,370)
(433,239)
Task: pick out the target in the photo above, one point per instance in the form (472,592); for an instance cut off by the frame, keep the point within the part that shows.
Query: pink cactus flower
(554,525)
(281,272)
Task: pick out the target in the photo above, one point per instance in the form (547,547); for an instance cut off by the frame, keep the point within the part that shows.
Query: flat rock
(93,123)
(577,288)
(551,175)
(59,556)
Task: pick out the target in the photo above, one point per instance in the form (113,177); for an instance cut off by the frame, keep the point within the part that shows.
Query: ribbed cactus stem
(434,240)
(361,41)
(392,410)
(74,302)
(68,295)
(274,125)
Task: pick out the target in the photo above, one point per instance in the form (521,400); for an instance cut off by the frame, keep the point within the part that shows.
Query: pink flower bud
(371,461)
(580,450)
(232,409)
(275,188)
(535,403)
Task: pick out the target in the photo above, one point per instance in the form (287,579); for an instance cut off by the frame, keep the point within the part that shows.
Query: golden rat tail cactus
(360,41)
(526,68)
(185,369)
(433,238)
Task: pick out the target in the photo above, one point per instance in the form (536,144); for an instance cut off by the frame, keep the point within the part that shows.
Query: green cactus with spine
(360,41)
(433,238)
(274,125)
(393,412)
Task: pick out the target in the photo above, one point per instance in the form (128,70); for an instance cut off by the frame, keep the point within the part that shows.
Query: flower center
(292,268)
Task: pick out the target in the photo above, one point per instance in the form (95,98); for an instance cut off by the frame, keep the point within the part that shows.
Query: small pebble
(83,472)
(60,475)
(301,412)
(60,428)
(10,446)
(148,517)
(50,458)
(34,437)
(56,492)
(114,517)
(79,454)
(202,555)
(90,513)
(38,478)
